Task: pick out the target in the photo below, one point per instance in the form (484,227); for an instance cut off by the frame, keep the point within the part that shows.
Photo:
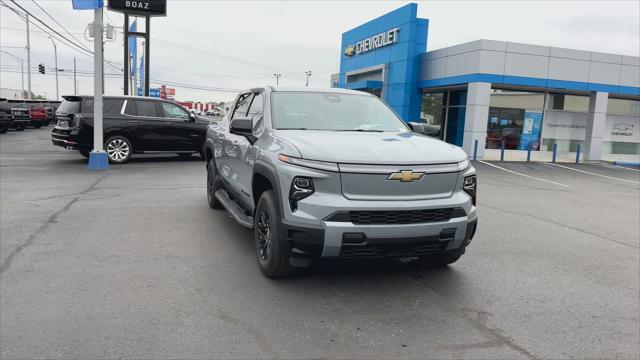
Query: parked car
(37,113)
(333,173)
(50,108)
(20,114)
(131,125)
(6,119)
(213,112)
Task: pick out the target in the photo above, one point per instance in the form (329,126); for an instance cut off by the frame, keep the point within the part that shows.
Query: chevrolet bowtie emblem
(406,176)
(350,50)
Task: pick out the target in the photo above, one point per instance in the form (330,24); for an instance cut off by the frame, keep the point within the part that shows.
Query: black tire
(37,126)
(119,149)
(214,183)
(272,247)
(20,128)
(3,131)
(440,260)
(84,153)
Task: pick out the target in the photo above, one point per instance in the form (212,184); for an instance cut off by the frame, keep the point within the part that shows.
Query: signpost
(146,9)
(98,159)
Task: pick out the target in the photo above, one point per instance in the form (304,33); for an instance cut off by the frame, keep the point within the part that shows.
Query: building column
(476,117)
(595,126)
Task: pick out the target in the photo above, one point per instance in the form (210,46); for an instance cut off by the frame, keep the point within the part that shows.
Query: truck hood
(371,147)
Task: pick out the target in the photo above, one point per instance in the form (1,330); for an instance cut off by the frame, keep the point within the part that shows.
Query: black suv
(6,118)
(131,125)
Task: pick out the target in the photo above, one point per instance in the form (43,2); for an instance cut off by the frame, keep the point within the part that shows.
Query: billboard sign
(139,7)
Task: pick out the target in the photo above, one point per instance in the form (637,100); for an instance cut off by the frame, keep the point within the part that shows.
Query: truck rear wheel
(272,247)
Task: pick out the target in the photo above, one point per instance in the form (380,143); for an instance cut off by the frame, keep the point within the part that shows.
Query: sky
(234,45)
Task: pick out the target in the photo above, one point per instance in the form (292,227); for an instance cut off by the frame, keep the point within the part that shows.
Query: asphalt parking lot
(132,263)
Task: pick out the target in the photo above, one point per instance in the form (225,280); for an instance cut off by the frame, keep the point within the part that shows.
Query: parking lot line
(594,174)
(525,175)
(623,167)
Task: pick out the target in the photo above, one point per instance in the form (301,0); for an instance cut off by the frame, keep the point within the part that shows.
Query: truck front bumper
(342,234)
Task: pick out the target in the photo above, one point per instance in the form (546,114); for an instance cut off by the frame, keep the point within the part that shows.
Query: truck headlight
(301,187)
(470,186)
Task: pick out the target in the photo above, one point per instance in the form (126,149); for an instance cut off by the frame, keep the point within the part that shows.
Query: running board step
(234,209)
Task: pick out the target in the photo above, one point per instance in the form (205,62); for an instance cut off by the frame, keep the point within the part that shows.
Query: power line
(66,41)
(81,47)
(56,21)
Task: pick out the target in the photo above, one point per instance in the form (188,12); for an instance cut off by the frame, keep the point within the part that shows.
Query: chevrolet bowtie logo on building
(350,50)
(376,41)
(406,176)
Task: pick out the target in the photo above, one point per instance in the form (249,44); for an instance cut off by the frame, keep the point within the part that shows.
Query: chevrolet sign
(375,42)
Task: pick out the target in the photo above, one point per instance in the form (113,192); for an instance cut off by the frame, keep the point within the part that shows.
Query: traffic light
(41,69)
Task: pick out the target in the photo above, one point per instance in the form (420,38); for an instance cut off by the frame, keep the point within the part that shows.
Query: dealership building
(486,94)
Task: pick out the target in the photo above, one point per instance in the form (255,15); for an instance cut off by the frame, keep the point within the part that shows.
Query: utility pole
(55,54)
(277,76)
(308,73)
(75,83)
(98,159)
(28,60)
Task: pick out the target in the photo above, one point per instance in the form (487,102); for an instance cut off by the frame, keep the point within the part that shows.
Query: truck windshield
(332,111)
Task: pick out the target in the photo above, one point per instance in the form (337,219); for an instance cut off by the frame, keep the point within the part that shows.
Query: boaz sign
(139,7)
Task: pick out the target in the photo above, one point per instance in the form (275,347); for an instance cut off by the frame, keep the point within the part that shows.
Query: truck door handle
(168,122)
(134,122)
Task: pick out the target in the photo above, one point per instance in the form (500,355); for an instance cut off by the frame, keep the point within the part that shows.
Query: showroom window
(444,113)
(565,122)
(622,128)
(432,112)
(515,118)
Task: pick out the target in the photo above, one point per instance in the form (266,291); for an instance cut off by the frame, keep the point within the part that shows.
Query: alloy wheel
(264,235)
(118,150)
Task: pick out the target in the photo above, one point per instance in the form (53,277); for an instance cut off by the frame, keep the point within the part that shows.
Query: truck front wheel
(271,243)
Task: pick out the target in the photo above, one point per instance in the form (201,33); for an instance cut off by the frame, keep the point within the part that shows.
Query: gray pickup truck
(332,173)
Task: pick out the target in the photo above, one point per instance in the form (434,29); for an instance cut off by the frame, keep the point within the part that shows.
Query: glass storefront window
(566,102)
(516,99)
(621,137)
(515,119)
(432,113)
(623,107)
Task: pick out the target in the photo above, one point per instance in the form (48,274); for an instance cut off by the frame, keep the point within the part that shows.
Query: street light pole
(98,159)
(55,54)
(308,73)
(277,76)
(28,59)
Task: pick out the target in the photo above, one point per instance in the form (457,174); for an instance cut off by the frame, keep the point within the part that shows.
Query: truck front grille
(393,216)
(392,250)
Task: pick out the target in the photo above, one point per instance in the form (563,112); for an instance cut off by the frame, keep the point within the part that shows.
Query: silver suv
(332,173)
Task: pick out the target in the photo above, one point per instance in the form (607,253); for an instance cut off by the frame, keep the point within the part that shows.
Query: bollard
(553,155)
(475,150)
(529,153)
(502,151)
(578,154)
